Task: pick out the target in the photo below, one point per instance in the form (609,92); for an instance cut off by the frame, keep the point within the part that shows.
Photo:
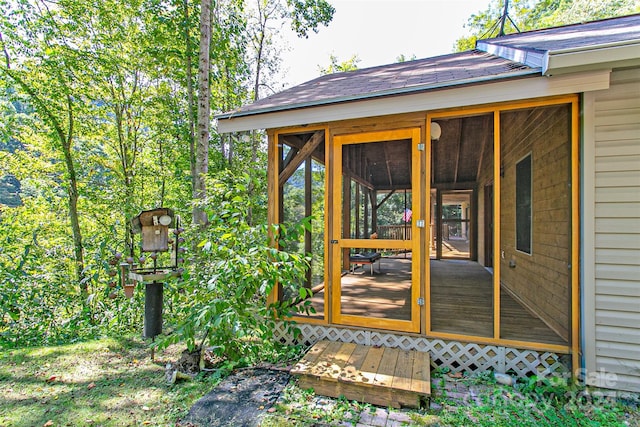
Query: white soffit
(512,90)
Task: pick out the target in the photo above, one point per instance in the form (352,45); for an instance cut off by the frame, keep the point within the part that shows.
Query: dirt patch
(240,400)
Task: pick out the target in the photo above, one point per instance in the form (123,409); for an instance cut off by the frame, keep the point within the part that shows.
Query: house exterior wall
(540,280)
(485,178)
(611,230)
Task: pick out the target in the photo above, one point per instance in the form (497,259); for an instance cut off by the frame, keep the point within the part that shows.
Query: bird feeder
(153,226)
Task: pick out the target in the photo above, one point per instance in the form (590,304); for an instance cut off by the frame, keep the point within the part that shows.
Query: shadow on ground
(240,400)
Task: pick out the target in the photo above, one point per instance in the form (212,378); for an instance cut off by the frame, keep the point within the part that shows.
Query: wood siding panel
(619,287)
(617,334)
(618,318)
(616,210)
(617,241)
(619,163)
(616,214)
(617,350)
(617,367)
(618,303)
(630,147)
(617,271)
(618,194)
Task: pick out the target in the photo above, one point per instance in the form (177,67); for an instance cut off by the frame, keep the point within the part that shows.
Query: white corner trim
(587,236)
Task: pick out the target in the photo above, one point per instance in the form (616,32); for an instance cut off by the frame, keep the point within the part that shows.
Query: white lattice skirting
(456,356)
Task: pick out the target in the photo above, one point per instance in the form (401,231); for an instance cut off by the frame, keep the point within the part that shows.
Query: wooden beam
(290,155)
(348,173)
(467,185)
(386,160)
(298,142)
(308,148)
(385,199)
(458,138)
(485,141)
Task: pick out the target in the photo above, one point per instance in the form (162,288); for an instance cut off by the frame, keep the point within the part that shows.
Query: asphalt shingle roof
(574,36)
(456,69)
(403,77)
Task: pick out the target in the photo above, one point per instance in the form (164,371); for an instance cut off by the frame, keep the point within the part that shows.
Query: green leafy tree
(42,62)
(335,66)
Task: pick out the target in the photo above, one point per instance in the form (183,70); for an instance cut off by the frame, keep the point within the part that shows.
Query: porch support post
(373,196)
(497,225)
(346,218)
(273,195)
(308,191)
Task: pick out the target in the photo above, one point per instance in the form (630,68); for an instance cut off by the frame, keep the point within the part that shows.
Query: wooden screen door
(374,241)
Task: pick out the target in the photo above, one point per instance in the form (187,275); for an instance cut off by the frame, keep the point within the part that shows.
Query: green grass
(98,383)
(113,382)
(495,406)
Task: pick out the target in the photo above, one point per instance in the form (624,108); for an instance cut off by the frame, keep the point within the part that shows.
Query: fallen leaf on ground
(52,378)
(48,423)
(91,385)
(271,410)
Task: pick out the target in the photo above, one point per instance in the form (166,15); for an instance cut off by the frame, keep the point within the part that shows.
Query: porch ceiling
(386,165)
(457,156)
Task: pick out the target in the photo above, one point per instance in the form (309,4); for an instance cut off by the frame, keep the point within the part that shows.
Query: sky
(378,32)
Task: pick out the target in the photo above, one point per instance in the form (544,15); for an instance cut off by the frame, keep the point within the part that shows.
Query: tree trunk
(190,96)
(66,140)
(202,146)
(78,248)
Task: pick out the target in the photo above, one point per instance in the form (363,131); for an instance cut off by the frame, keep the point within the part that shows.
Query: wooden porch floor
(377,375)
(461,300)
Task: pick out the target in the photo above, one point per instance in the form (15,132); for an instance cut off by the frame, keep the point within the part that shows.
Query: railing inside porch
(395,232)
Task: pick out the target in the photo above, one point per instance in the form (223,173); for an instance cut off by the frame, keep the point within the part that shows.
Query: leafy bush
(222,301)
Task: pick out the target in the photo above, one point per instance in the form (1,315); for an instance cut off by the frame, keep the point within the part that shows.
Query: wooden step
(377,375)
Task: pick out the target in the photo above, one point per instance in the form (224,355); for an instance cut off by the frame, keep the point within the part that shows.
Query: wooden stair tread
(380,375)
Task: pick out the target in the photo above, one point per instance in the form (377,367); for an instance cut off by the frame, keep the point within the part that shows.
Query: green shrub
(222,301)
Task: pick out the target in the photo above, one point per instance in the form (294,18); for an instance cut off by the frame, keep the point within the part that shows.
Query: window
(523,204)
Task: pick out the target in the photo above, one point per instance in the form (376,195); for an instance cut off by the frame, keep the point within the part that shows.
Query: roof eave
(495,91)
(605,56)
(379,94)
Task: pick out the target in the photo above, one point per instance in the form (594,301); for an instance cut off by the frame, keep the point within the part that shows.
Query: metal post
(153,309)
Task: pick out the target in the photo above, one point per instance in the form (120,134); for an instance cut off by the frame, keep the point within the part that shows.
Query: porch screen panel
(377,212)
(377,199)
(460,284)
(302,209)
(535,224)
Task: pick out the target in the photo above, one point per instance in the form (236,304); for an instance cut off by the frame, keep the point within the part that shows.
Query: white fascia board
(488,93)
(615,55)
